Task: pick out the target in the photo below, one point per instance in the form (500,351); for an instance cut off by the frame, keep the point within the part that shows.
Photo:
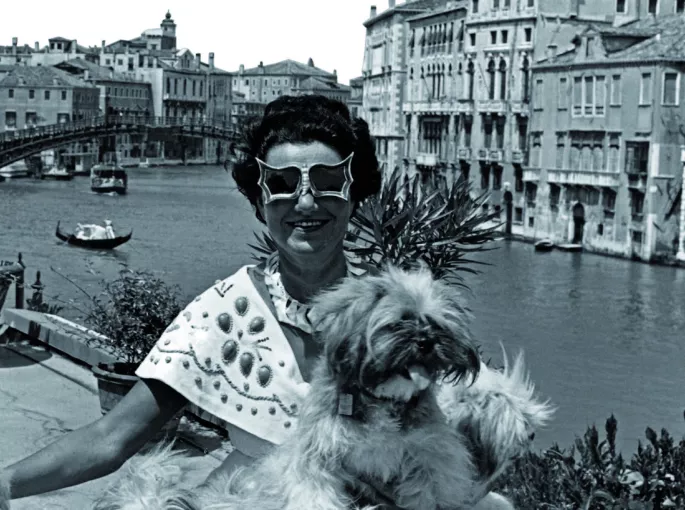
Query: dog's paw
(5,493)
(498,414)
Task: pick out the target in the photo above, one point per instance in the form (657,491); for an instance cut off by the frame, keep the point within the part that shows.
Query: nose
(305,202)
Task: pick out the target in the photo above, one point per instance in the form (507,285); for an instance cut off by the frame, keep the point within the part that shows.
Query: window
(64,95)
(561,149)
(615,90)
(505,36)
(653,6)
(484,177)
(10,120)
(589,91)
(499,133)
(587,151)
(600,96)
(472,39)
(577,96)
(503,80)
(32,94)
(487,132)
(671,89)
(646,89)
(679,6)
(562,103)
(495,5)
(614,152)
(497,177)
(589,96)
(538,99)
(474,6)
(528,34)
(10,93)
(620,6)
(493,37)
(531,3)
(47,95)
(536,150)
(491,79)
(637,158)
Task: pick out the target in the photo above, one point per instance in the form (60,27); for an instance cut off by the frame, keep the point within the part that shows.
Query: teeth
(308,223)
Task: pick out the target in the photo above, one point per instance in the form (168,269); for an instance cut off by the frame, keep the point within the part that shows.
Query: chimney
(37,46)
(211,60)
(310,62)
(14,45)
(391,4)
(242,69)
(86,75)
(335,74)
(198,60)
(73,47)
(551,51)
(102,48)
(261,63)
(373,11)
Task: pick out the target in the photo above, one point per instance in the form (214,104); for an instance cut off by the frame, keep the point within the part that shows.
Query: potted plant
(131,312)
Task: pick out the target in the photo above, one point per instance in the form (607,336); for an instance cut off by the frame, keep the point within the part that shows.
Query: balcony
(584,177)
(465,106)
(637,181)
(464,153)
(495,155)
(491,106)
(518,156)
(426,159)
(482,154)
(520,108)
(531,175)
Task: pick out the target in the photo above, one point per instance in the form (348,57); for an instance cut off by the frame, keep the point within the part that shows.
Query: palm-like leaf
(407,222)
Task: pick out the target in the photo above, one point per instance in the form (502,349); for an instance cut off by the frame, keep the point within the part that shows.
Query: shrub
(592,475)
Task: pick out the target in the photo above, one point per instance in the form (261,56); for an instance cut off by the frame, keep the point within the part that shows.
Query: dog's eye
(407,316)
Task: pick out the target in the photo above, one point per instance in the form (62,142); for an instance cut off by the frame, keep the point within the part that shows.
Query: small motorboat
(570,247)
(57,174)
(544,245)
(96,244)
(108,178)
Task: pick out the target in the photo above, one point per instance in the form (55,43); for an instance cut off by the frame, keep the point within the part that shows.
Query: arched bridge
(19,144)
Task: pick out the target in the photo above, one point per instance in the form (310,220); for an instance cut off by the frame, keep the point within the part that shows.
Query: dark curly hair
(305,119)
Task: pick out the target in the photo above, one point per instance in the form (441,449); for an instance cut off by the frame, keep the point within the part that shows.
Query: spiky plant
(408,222)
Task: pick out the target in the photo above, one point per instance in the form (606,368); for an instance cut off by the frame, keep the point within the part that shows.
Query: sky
(238,32)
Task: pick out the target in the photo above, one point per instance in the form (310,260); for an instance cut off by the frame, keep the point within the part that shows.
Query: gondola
(96,244)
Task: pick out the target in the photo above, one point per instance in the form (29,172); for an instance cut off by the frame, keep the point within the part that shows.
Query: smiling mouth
(308,225)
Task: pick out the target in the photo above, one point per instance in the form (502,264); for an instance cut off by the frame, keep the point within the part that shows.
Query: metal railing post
(19,285)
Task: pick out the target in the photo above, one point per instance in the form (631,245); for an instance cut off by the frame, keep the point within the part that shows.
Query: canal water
(600,335)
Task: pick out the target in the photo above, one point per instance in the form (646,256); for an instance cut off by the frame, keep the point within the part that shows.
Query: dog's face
(396,333)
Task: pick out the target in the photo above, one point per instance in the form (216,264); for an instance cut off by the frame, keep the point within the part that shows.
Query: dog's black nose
(425,344)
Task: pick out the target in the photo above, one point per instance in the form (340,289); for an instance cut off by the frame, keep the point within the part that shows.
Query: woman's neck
(302,281)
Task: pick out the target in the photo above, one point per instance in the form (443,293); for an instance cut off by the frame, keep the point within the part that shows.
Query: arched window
(471,71)
(503,79)
(491,79)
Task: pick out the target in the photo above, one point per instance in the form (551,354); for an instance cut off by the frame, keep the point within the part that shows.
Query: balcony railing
(637,181)
(519,108)
(531,175)
(426,159)
(518,156)
(491,106)
(464,153)
(583,177)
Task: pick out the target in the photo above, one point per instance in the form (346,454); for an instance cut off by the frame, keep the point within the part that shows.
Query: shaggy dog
(399,399)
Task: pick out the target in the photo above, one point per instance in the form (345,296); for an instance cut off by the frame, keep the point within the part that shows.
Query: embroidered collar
(288,309)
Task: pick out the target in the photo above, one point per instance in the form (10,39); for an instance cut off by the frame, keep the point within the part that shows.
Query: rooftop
(96,72)
(40,77)
(653,38)
(290,68)
(313,83)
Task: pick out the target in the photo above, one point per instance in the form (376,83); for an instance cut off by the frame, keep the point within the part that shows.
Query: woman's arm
(99,448)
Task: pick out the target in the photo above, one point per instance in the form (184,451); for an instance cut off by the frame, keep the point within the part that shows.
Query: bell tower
(168,33)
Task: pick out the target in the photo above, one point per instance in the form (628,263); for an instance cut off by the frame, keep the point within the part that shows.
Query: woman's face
(306,226)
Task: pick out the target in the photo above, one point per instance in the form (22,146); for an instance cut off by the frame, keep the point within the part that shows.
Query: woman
(314,137)
(306,167)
